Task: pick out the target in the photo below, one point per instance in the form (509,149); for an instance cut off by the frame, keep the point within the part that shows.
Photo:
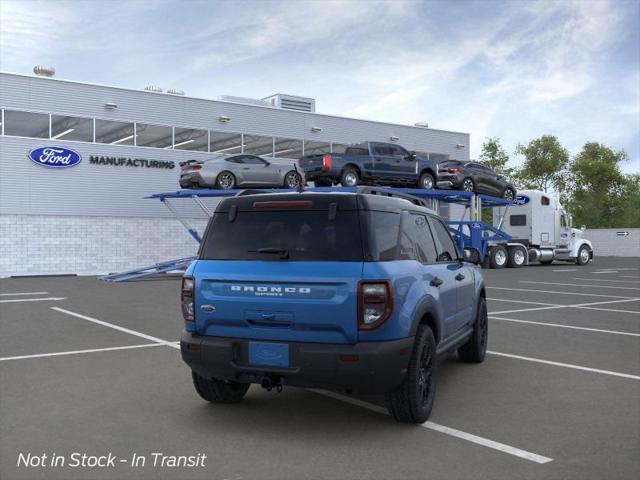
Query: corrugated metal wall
(615,242)
(86,189)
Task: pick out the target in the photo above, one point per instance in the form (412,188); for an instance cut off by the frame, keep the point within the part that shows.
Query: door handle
(436,282)
(460,277)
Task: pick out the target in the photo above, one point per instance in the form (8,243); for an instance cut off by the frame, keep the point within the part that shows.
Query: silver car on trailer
(239,171)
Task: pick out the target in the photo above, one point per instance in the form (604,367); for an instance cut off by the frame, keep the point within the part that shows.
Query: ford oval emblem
(521,200)
(55,157)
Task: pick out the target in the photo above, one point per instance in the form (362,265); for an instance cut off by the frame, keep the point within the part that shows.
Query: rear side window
(518,220)
(294,235)
(383,231)
(447,251)
(415,230)
(356,151)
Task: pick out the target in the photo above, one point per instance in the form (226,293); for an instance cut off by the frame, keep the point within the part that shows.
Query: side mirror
(471,255)
(411,157)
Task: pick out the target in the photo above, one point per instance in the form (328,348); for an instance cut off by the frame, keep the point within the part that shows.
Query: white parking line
(23,293)
(76,352)
(598,330)
(119,328)
(565,365)
(527,290)
(607,280)
(566,270)
(610,310)
(629,276)
(521,301)
(588,306)
(47,299)
(606,271)
(485,442)
(581,285)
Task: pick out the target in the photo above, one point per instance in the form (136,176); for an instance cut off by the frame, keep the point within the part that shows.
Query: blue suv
(357,292)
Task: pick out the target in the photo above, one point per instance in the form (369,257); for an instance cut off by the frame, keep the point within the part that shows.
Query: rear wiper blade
(283,252)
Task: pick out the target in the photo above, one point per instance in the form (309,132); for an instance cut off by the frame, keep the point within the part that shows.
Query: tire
(468,185)
(584,255)
(292,179)
(413,400)
(225,180)
(499,256)
(218,391)
(322,182)
(475,349)
(349,177)
(509,194)
(426,181)
(517,257)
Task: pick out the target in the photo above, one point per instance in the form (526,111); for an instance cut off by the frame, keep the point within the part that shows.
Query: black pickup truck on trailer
(370,163)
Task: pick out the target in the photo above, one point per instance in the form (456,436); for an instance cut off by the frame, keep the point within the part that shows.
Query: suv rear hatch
(281,267)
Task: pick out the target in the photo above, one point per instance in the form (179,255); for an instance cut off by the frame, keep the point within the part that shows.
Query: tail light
(299,162)
(196,167)
(187,299)
(326,161)
(375,303)
(454,170)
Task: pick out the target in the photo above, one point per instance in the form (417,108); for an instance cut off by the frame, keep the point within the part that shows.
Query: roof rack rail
(387,192)
(250,191)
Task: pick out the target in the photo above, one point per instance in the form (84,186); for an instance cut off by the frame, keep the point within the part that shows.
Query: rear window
(384,229)
(294,235)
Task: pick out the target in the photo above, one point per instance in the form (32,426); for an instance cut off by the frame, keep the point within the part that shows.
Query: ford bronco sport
(354,292)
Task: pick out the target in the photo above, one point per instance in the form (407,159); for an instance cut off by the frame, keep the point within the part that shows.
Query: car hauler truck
(540,231)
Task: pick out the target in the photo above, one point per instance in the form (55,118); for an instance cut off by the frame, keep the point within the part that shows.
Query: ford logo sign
(55,157)
(521,200)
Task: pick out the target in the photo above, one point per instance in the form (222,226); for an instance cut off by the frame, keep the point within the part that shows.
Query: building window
(157,136)
(338,148)
(191,139)
(225,143)
(26,124)
(287,148)
(71,128)
(316,148)
(115,133)
(258,145)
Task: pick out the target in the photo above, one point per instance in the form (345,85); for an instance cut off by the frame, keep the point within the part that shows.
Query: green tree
(545,164)
(630,215)
(495,157)
(600,196)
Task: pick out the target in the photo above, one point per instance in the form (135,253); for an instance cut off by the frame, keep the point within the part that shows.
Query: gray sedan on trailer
(244,170)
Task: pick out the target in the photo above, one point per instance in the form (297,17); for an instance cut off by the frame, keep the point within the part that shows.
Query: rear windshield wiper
(283,252)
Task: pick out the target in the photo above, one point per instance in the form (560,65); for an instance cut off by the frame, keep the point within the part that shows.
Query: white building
(92,218)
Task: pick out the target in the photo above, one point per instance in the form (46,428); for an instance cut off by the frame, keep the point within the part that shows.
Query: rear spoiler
(189,162)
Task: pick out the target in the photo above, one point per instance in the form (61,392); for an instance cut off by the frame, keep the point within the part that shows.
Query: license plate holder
(269,354)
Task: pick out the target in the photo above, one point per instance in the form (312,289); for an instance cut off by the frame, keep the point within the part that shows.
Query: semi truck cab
(540,224)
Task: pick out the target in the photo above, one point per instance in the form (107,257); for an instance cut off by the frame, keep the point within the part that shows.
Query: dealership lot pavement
(88,366)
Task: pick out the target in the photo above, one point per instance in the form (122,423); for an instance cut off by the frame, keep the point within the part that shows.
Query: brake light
(188,308)
(299,162)
(375,303)
(284,204)
(326,161)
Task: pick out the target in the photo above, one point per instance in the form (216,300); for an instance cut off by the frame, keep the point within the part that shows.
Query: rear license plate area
(269,354)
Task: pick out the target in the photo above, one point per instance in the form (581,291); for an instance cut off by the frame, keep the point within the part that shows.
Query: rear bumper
(330,174)
(189,180)
(450,181)
(366,367)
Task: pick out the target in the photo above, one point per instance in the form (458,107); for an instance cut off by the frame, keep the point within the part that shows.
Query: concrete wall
(608,242)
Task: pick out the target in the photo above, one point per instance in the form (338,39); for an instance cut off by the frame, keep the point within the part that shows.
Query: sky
(514,69)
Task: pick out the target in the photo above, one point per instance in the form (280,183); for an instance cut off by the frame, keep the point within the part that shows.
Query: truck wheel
(475,348)
(349,177)
(583,255)
(498,256)
(218,391)
(426,181)
(517,257)
(412,401)
(509,194)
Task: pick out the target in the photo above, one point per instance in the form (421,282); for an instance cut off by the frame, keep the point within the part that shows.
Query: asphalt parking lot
(94,367)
